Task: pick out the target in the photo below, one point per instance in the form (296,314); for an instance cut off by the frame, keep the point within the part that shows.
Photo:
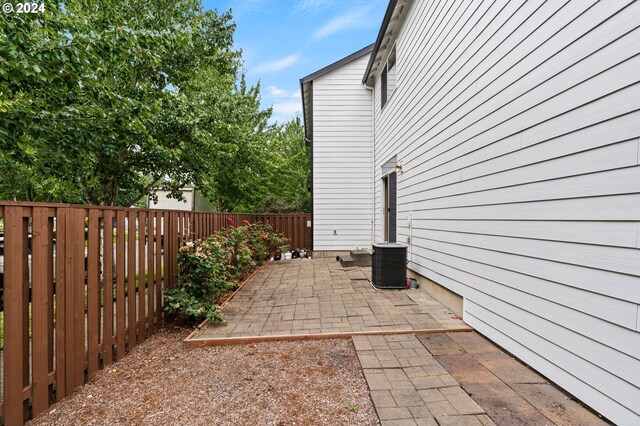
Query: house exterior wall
(518,126)
(193,201)
(166,203)
(342,159)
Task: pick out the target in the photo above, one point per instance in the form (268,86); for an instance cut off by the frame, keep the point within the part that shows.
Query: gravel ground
(280,383)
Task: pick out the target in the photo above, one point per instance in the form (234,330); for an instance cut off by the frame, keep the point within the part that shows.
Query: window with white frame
(388,78)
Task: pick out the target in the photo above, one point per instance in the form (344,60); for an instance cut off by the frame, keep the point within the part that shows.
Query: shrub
(208,269)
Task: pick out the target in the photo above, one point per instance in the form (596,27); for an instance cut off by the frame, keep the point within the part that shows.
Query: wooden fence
(83,286)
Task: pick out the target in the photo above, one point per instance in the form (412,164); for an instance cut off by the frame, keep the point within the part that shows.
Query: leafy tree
(101,102)
(229,136)
(97,85)
(290,159)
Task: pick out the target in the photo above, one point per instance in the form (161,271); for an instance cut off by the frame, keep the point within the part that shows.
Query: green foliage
(290,159)
(101,102)
(92,88)
(208,269)
(265,171)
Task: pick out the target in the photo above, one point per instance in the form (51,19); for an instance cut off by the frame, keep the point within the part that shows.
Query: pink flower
(230,221)
(246,222)
(190,244)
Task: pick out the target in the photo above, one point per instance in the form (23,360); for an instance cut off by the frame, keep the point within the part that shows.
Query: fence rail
(82,285)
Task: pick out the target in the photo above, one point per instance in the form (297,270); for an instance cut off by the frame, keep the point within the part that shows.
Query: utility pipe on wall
(373,162)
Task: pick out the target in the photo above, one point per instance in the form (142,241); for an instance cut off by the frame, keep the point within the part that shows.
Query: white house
(501,142)
(338,124)
(193,200)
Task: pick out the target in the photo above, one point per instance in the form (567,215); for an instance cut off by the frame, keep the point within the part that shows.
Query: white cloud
(284,111)
(313,5)
(241,7)
(287,108)
(276,65)
(277,92)
(296,95)
(355,18)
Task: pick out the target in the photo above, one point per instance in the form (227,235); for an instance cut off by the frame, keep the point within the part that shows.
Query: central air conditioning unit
(388,266)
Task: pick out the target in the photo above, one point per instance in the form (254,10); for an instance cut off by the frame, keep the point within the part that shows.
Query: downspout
(373,163)
(309,142)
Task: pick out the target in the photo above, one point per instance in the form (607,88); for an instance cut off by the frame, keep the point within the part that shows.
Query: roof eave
(306,84)
(326,70)
(376,47)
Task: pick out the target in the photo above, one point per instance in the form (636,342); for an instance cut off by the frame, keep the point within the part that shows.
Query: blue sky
(284,40)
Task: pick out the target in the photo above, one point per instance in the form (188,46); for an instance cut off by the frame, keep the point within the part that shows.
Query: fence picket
(60,302)
(41,301)
(131,280)
(107,288)
(142,253)
(78,304)
(151,247)
(120,276)
(160,244)
(78,327)
(16,326)
(93,290)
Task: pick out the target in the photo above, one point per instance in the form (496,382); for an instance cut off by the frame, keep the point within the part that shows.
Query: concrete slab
(556,406)
(475,344)
(509,369)
(504,405)
(455,387)
(467,370)
(441,344)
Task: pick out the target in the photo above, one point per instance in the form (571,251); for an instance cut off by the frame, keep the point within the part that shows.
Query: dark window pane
(383,88)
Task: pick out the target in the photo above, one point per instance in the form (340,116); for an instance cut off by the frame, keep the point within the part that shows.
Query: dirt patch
(277,383)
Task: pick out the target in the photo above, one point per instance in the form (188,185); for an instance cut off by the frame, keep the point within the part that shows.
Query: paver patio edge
(225,341)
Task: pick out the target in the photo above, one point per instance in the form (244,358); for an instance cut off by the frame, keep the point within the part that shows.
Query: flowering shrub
(210,268)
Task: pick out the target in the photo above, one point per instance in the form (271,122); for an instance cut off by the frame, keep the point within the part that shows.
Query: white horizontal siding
(342,159)
(518,127)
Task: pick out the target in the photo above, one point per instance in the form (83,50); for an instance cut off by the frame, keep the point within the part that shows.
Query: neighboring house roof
(306,84)
(390,23)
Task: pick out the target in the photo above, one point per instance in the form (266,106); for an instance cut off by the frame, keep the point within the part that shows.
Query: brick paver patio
(305,296)
(418,371)
(459,379)
(408,385)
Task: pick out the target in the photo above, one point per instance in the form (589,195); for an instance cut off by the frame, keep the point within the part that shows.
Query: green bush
(208,269)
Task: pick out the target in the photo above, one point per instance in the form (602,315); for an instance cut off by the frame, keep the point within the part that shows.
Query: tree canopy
(102,102)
